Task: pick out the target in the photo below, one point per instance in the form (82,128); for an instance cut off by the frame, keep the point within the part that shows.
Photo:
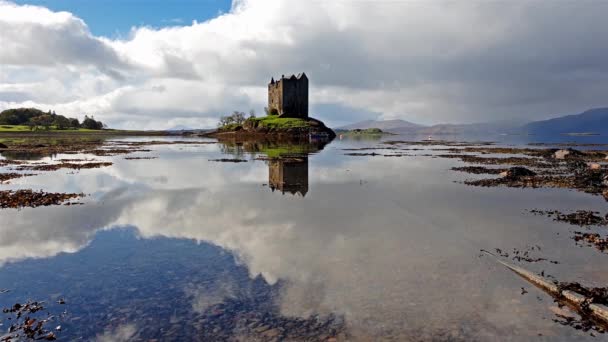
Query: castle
(288,97)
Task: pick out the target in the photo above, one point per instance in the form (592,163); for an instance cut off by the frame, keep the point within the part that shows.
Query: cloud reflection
(398,250)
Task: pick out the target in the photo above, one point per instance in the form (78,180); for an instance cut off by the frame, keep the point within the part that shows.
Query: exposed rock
(567,153)
(517,172)
(595,166)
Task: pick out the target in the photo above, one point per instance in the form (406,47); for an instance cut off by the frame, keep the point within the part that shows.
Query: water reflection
(289,175)
(391,254)
(24,155)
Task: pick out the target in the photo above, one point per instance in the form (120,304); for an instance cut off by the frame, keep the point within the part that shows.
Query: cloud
(123,333)
(427,62)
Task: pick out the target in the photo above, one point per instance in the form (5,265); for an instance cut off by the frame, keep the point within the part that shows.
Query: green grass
(23,128)
(273,121)
(283,150)
(14,128)
(230,127)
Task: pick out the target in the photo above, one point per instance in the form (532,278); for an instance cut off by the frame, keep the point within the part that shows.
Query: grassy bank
(23,128)
(273,121)
(26,131)
(269,122)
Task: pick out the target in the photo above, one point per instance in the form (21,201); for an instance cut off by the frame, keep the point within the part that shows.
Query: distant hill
(385,125)
(590,121)
(406,127)
(181,128)
(482,128)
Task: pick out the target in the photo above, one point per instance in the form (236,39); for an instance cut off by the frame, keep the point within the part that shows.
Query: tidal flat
(183,238)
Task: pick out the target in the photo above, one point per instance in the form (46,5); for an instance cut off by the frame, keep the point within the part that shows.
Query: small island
(286,115)
(367,131)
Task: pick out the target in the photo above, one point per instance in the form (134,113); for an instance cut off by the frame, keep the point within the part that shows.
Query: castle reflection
(287,160)
(289,175)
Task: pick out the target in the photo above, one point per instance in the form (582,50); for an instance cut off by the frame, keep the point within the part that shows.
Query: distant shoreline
(72,133)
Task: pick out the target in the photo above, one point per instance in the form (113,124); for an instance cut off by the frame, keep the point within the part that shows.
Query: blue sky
(114,18)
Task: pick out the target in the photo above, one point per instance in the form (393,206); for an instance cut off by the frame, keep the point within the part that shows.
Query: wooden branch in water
(600,311)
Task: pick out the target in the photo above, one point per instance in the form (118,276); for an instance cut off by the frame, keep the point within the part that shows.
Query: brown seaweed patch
(479,170)
(29,321)
(578,218)
(592,239)
(5,162)
(74,166)
(30,198)
(140,158)
(521,161)
(525,255)
(115,151)
(8,176)
(369,148)
(227,160)
(362,154)
(161,142)
(438,143)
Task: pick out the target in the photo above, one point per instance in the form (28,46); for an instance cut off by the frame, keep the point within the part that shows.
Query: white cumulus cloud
(432,61)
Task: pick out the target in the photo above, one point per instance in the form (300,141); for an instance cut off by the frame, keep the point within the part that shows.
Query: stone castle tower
(288,97)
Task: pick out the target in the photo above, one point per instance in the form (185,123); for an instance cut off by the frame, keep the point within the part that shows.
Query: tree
(225,121)
(252,114)
(74,123)
(90,123)
(61,122)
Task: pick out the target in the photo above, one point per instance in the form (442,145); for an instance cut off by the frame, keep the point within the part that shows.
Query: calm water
(327,245)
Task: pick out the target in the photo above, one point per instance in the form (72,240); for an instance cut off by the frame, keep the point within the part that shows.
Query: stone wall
(289,96)
(275,96)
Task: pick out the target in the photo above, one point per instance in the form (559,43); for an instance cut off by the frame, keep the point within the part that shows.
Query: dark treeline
(35,118)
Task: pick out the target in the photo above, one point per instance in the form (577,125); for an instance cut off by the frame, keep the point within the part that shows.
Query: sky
(162,64)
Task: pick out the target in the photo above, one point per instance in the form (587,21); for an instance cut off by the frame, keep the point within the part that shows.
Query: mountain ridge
(591,121)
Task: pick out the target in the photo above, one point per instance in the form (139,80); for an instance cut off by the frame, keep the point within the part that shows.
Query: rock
(272,333)
(3,146)
(261,329)
(567,153)
(595,166)
(561,154)
(518,172)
